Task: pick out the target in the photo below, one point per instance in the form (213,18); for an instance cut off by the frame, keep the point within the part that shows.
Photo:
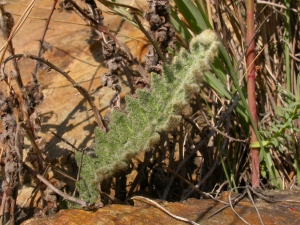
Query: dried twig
(40,51)
(52,187)
(203,194)
(199,145)
(103,29)
(16,28)
(235,202)
(153,42)
(11,161)
(82,91)
(6,26)
(151,202)
(108,3)
(277,5)
(250,196)
(232,202)
(65,141)
(39,153)
(220,132)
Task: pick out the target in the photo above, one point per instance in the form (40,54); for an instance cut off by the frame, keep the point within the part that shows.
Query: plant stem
(6,24)
(250,57)
(81,90)
(56,190)
(296,161)
(287,47)
(202,143)
(93,23)
(34,75)
(153,42)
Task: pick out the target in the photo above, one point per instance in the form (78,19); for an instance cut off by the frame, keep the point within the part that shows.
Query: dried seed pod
(6,22)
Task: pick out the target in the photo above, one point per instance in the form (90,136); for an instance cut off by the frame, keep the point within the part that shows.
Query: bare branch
(53,188)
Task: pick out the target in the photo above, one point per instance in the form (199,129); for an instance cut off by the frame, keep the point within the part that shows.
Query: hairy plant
(148,115)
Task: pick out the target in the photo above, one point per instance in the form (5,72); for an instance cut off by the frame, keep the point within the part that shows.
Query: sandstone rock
(280,213)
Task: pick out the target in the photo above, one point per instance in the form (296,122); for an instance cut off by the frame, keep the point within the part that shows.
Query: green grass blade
(180,26)
(195,17)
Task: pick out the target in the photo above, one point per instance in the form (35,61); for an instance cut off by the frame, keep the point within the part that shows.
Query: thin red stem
(250,57)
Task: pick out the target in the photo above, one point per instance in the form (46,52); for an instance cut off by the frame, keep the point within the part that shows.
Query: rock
(66,113)
(67,119)
(25,199)
(280,213)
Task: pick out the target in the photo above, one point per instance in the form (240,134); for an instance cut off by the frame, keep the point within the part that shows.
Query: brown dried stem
(39,153)
(204,195)
(82,91)
(16,28)
(150,38)
(40,51)
(6,26)
(11,161)
(221,132)
(4,200)
(200,145)
(93,23)
(277,5)
(53,188)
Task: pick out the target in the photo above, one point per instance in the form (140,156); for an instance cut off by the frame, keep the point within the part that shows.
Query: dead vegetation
(206,154)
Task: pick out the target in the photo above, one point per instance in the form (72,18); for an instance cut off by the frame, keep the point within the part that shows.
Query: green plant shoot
(159,110)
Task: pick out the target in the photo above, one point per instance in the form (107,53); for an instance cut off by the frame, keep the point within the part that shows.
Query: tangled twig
(199,145)
(151,202)
(81,90)
(53,188)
